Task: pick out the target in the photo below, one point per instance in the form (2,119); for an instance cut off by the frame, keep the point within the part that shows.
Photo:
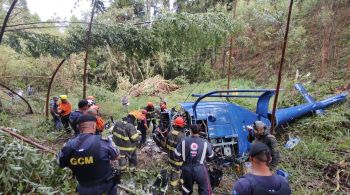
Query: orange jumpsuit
(100,124)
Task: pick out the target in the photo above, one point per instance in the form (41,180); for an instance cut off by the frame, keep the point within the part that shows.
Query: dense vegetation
(190,46)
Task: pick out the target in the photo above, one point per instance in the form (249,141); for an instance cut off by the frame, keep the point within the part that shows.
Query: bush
(180,80)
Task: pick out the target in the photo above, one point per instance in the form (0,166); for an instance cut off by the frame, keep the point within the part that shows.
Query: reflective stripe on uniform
(185,189)
(183,150)
(174,183)
(204,153)
(170,147)
(136,135)
(175,132)
(121,136)
(212,154)
(177,153)
(127,148)
(175,162)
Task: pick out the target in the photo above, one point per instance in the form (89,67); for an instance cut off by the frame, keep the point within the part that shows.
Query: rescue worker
(83,106)
(125,103)
(259,133)
(126,137)
(88,156)
(142,126)
(100,123)
(91,100)
(151,115)
(54,113)
(64,110)
(163,107)
(175,136)
(261,181)
(194,151)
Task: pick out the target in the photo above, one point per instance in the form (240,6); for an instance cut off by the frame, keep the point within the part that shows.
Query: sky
(64,9)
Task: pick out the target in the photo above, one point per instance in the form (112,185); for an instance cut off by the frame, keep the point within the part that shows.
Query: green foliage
(27,170)
(178,36)
(180,80)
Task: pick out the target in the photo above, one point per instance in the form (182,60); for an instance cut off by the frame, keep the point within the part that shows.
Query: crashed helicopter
(226,124)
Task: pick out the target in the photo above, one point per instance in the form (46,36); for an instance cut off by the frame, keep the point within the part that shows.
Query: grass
(325,139)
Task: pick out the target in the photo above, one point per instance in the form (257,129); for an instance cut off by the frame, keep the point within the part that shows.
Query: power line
(48,22)
(65,26)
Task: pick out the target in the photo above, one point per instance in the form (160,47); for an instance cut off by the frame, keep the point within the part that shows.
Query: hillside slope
(318,164)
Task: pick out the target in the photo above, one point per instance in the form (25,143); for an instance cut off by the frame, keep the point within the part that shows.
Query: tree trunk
(6,19)
(87,46)
(348,67)
(224,60)
(325,51)
(235,7)
(229,65)
(27,140)
(49,88)
(29,107)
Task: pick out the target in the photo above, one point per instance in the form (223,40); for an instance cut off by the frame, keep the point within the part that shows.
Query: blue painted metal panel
(226,120)
(289,114)
(307,96)
(231,121)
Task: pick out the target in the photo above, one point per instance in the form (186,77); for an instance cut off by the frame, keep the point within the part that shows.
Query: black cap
(83,103)
(86,118)
(258,148)
(194,128)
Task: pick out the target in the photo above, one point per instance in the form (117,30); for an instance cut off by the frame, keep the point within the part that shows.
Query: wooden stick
(126,189)
(27,140)
(279,76)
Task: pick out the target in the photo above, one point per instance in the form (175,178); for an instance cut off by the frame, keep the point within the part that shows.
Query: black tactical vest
(87,165)
(259,190)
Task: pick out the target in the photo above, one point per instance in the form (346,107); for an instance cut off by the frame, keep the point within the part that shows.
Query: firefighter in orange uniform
(64,110)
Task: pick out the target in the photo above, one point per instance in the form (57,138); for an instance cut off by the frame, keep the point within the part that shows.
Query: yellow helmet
(63,97)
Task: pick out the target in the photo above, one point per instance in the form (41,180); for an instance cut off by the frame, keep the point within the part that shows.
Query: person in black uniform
(88,156)
(126,138)
(261,181)
(194,151)
(83,106)
(151,115)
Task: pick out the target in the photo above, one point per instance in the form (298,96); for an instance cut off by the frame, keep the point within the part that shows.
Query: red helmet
(144,111)
(150,104)
(180,122)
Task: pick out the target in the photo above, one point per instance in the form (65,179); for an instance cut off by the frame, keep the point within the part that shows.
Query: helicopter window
(217,115)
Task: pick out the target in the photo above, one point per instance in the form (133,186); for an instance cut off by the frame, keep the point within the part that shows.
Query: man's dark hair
(83,103)
(195,129)
(261,152)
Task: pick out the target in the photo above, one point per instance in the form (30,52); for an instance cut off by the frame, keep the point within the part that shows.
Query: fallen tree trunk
(27,140)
